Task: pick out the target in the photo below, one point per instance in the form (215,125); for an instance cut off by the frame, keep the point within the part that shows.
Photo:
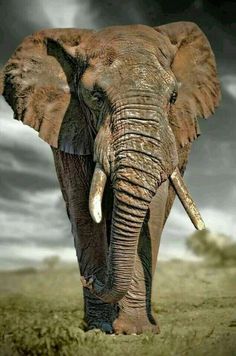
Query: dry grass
(41,314)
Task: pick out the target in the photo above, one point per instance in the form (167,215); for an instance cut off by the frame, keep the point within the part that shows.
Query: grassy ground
(41,314)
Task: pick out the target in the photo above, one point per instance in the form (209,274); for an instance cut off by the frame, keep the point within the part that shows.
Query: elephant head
(129,95)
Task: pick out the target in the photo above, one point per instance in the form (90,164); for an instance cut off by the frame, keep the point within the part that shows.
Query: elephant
(119,107)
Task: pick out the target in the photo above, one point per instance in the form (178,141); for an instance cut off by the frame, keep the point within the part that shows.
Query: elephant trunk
(145,156)
(129,210)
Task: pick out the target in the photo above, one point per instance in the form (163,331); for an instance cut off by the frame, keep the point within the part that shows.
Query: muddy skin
(126,98)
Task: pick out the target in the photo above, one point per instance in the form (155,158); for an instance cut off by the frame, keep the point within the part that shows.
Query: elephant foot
(104,326)
(99,315)
(135,323)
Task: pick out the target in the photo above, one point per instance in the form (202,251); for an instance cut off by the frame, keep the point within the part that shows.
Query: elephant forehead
(119,37)
(111,43)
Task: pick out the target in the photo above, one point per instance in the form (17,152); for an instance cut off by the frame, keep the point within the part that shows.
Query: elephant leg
(135,314)
(90,239)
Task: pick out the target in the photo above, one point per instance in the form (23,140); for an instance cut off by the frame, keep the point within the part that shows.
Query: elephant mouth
(98,186)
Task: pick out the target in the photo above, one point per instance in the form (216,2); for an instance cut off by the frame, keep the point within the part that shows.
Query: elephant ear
(38,83)
(195,70)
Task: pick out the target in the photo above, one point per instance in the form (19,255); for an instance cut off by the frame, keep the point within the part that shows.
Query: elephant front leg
(74,174)
(90,244)
(135,310)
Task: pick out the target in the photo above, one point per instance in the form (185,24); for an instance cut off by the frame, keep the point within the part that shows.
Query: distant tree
(215,248)
(51,262)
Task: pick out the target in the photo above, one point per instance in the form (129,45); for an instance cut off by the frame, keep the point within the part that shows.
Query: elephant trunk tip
(97,288)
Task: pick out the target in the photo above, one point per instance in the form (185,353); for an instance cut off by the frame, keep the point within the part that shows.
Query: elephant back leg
(74,174)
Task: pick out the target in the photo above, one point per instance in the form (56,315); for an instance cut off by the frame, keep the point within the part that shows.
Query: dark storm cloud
(16,23)
(25,166)
(224,118)
(40,217)
(22,179)
(212,168)
(25,161)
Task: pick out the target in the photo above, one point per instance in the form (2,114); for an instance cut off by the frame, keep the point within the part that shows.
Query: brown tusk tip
(186,199)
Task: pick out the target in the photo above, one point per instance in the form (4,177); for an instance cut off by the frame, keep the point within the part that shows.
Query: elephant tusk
(96,193)
(186,199)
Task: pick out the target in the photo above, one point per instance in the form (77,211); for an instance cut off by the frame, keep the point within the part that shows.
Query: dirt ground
(41,314)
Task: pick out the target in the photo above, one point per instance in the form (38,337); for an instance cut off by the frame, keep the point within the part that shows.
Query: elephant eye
(97,97)
(173,97)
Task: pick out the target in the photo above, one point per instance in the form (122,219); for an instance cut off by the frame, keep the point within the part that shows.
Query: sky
(33,221)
